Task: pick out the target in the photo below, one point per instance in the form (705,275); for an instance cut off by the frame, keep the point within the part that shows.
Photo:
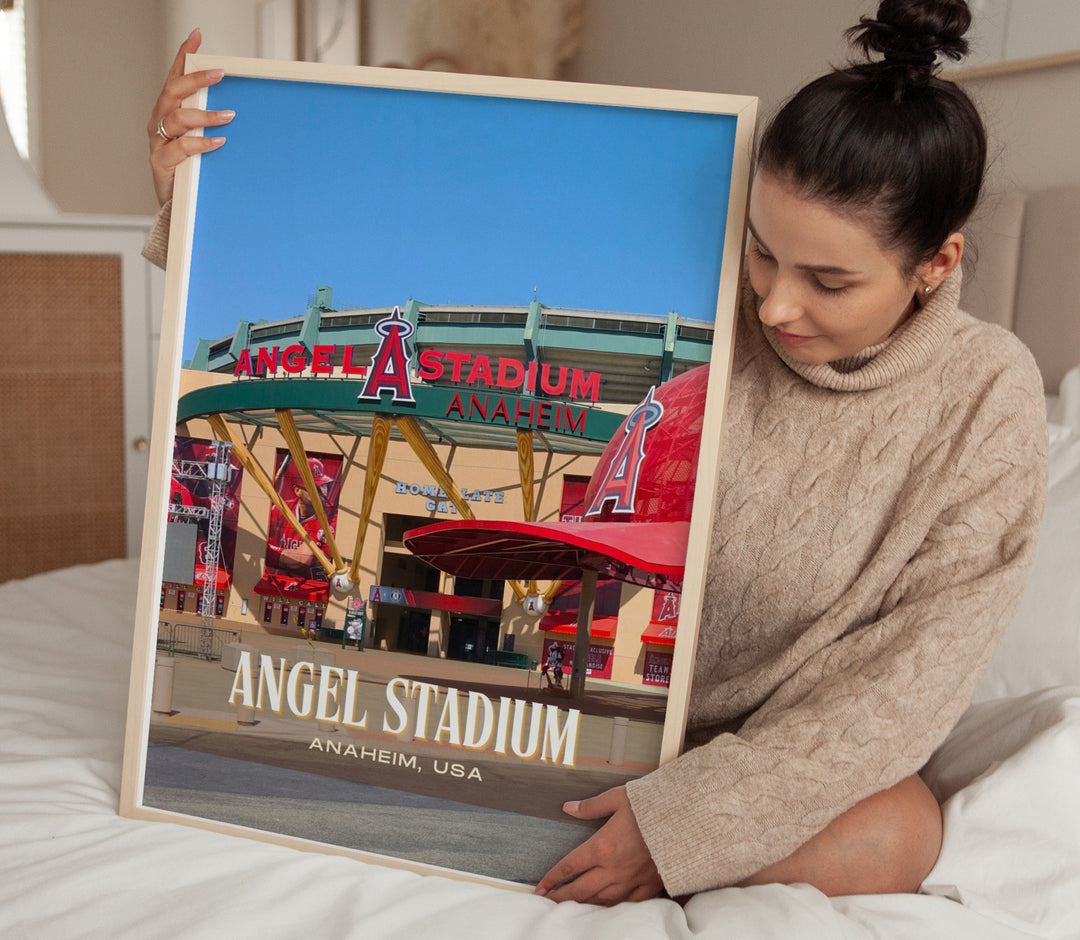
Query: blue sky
(387,195)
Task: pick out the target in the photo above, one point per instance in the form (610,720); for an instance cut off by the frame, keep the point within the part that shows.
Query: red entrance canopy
(652,554)
(663,634)
(601,628)
(304,589)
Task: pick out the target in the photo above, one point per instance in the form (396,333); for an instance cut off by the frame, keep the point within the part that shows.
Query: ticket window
(219,606)
(162,605)
(285,613)
(198,602)
(316,618)
(268,612)
(181,597)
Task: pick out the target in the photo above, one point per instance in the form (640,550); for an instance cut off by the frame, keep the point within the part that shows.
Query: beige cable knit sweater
(875,522)
(156,249)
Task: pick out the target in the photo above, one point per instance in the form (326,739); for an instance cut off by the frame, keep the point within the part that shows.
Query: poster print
(449,337)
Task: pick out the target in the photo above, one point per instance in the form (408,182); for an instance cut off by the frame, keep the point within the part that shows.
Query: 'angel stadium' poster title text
(470,720)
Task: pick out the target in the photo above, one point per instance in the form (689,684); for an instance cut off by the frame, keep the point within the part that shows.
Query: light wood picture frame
(395,299)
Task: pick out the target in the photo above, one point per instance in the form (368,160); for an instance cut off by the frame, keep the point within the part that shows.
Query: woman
(876,515)
(880,493)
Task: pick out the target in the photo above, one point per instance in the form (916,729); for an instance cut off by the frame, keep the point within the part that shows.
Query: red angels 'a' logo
(670,608)
(621,479)
(390,364)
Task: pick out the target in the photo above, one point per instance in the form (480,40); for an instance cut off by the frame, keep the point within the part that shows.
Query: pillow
(1064,408)
(1042,645)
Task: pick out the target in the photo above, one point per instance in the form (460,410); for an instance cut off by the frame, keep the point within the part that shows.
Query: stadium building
(306,448)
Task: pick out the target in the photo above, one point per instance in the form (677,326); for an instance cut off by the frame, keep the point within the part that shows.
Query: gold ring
(162,132)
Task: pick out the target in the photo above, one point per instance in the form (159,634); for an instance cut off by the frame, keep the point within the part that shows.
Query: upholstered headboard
(1026,250)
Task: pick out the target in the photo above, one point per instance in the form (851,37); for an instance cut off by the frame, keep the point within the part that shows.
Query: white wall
(766,48)
(229,27)
(1034,126)
(769,48)
(98,75)
(21,195)
(102,65)
(1007,30)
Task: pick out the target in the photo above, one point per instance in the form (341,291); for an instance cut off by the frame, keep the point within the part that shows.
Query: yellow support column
(380,439)
(526,474)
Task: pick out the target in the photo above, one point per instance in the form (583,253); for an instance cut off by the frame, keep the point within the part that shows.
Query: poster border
(742,108)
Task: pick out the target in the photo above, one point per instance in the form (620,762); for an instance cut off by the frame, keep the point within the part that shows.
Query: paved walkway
(202,719)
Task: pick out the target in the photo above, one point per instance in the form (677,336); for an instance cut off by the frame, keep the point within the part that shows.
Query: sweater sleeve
(869,709)
(156,249)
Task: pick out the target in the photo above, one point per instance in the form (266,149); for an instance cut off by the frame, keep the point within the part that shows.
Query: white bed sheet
(71,867)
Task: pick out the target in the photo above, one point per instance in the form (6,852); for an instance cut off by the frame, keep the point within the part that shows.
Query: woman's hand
(173,121)
(612,865)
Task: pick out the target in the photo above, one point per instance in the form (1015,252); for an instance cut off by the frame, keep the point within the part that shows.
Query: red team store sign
(661,631)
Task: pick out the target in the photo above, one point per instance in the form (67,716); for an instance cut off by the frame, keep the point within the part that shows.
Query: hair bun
(913,33)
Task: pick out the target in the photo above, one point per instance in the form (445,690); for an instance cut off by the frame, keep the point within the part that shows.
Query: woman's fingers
(164,161)
(175,79)
(179,122)
(612,865)
(596,807)
(575,863)
(176,89)
(588,888)
(170,157)
(189,45)
(173,96)
(170,122)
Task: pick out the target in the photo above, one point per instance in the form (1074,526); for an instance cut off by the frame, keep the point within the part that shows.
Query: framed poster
(405,311)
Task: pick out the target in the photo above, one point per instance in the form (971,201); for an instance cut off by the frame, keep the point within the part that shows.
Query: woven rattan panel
(61,412)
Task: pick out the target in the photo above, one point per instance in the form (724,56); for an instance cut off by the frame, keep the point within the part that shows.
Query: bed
(1008,777)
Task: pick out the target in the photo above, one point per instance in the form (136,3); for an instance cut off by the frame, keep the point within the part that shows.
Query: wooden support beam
(380,439)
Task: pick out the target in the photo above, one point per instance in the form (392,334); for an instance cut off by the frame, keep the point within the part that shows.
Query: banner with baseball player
(287,553)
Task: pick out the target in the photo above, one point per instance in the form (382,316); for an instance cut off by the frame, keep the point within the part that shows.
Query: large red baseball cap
(638,503)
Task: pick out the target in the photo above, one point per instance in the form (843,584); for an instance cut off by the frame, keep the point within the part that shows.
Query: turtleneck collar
(907,351)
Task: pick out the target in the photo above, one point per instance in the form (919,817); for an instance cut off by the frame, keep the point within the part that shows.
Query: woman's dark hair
(887,139)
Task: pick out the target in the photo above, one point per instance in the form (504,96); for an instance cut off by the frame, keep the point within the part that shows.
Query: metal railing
(192,640)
